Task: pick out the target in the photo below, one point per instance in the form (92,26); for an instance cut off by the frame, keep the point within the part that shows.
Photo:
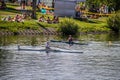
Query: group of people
(17,18)
(48,20)
(103,9)
(44,9)
(79,10)
(41,5)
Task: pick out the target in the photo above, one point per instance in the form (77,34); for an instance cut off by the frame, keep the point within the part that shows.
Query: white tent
(65,7)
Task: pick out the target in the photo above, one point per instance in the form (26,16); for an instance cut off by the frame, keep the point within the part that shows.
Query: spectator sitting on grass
(55,19)
(48,20)
(20,19)
(42,19)
(16,18)
(8,18)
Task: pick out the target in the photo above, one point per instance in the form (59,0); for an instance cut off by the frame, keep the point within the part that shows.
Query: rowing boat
(49,50)
(77,43)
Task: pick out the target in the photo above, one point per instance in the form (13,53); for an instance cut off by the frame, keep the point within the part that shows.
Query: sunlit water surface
(100,60)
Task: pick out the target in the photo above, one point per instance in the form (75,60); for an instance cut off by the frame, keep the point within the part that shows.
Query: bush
(114,22)
(68,27)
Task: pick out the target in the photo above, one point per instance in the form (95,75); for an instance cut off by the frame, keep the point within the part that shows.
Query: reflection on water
(99,61)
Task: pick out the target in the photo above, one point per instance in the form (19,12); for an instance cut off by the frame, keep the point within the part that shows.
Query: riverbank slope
(31,26)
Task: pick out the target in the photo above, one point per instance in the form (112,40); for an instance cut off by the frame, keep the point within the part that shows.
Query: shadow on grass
(96,21)
(89,20)
(43,26)
(11,10)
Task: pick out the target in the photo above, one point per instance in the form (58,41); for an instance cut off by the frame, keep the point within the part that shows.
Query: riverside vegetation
(114,22)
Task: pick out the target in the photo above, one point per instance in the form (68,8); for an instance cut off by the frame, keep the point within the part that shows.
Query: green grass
(16,26)
(92,25)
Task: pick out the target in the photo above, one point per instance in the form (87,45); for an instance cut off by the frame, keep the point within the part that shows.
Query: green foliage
(111,3)
(114,22)
(68,27)
(116,4)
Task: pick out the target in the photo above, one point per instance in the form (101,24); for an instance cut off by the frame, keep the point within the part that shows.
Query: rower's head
(47,43)
(70,35)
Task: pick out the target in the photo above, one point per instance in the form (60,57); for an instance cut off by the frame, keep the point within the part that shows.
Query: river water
(100,59)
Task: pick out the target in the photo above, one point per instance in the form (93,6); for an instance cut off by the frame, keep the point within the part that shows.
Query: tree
(114,22)
(117,5)
(34,9)
(111,3)
(3,5)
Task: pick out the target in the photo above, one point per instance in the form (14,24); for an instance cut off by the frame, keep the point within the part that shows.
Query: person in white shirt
(47,45)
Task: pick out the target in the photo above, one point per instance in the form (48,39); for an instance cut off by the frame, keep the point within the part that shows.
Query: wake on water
(38,48)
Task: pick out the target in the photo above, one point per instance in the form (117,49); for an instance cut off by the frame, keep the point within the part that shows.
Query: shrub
(114,22)
(68,27)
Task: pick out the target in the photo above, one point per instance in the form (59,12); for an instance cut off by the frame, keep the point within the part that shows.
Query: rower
(18,47)
(70,40)
(47,45)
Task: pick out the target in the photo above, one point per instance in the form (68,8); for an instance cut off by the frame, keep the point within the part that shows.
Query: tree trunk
(3,5)
(34,9)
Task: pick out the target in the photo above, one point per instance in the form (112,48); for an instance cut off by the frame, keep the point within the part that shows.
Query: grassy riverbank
(91,25)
